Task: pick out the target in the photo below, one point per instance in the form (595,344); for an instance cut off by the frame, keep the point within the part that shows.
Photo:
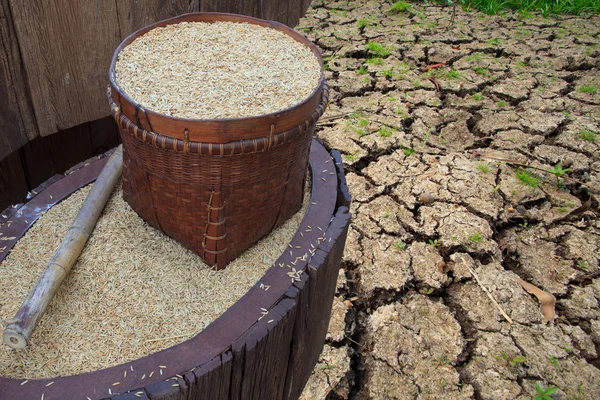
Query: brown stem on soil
(490,296)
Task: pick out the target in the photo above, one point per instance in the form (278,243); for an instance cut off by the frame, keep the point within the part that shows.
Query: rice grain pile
(132,292)
(201,70)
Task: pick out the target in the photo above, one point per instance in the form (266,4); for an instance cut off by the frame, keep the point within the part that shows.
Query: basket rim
(239,146)
(219,130)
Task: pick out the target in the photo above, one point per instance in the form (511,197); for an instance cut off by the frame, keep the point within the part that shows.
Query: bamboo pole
(18,333)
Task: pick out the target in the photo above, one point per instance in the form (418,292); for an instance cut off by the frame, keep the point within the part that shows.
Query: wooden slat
(47,156)
(13,181)
(17,122)
(136,14)
(260,356)
(245,7)
(66,48)
(104,134)
(211,380)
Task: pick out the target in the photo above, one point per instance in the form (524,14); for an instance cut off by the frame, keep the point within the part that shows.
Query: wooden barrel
(247,353)
(216,186)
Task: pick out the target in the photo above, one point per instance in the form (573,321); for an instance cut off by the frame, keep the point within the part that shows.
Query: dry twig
(490,296)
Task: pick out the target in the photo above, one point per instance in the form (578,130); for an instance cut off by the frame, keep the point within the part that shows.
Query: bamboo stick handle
(18,333)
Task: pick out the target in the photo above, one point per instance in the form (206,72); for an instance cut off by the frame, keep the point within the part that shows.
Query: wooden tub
(240,355)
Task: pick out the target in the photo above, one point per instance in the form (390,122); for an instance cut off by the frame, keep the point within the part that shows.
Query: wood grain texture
(17,121)
(66,49)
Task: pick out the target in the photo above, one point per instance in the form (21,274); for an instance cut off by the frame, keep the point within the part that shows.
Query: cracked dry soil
(446,168)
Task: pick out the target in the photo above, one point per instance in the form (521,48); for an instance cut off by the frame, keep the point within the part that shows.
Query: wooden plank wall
(54,59)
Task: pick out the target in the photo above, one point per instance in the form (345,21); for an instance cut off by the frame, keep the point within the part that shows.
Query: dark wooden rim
(216,130)
(219,336)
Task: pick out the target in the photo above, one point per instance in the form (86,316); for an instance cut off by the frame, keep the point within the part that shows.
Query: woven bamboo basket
(216,186)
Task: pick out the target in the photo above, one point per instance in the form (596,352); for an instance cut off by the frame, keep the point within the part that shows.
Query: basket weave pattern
(215,199)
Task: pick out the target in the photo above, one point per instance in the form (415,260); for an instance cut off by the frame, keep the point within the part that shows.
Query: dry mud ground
(435,198)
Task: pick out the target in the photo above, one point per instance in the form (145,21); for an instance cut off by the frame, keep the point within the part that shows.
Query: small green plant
(544,394)
(474,56)
(512,361)
(388,73)
(528,178)
(587,89)
(427,291)
(501,104)
(483,167)
(481,71)
(558,171)
(554,361)
(588,135)
(361,70)
(408,151)
(385,214)
(363,23)
(444,360)
(399,6)
(385,132)
(582,265)
(361,132)
(326,366)
(363,122)
(349,157)
(563,209)
(374,61)
(453,74)
(378,49)
(477,96)
(433,242)
(494,41)
(475,238)
(400,245)
(398,110)
(521,64)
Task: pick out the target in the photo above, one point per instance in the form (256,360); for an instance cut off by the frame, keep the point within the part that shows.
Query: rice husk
(200,70)
(132,292)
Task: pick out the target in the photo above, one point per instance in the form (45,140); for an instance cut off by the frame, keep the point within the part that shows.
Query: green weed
(528,178)
(408,151)
(544,394)
(361,70)
(587,89)
(483,167)
(400,245)
(475,238)
(378,49)
(477,96)
(385,132)
(399,6)
(558,171)
(588,135)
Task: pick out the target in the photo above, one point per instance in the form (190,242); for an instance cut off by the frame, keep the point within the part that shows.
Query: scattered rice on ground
(133,291)
(199,70)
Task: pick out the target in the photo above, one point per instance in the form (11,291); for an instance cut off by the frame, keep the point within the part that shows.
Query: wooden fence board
(66,48)
(13,182)
(17,122)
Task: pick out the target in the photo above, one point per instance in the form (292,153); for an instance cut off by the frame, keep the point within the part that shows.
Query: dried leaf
(547,300)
